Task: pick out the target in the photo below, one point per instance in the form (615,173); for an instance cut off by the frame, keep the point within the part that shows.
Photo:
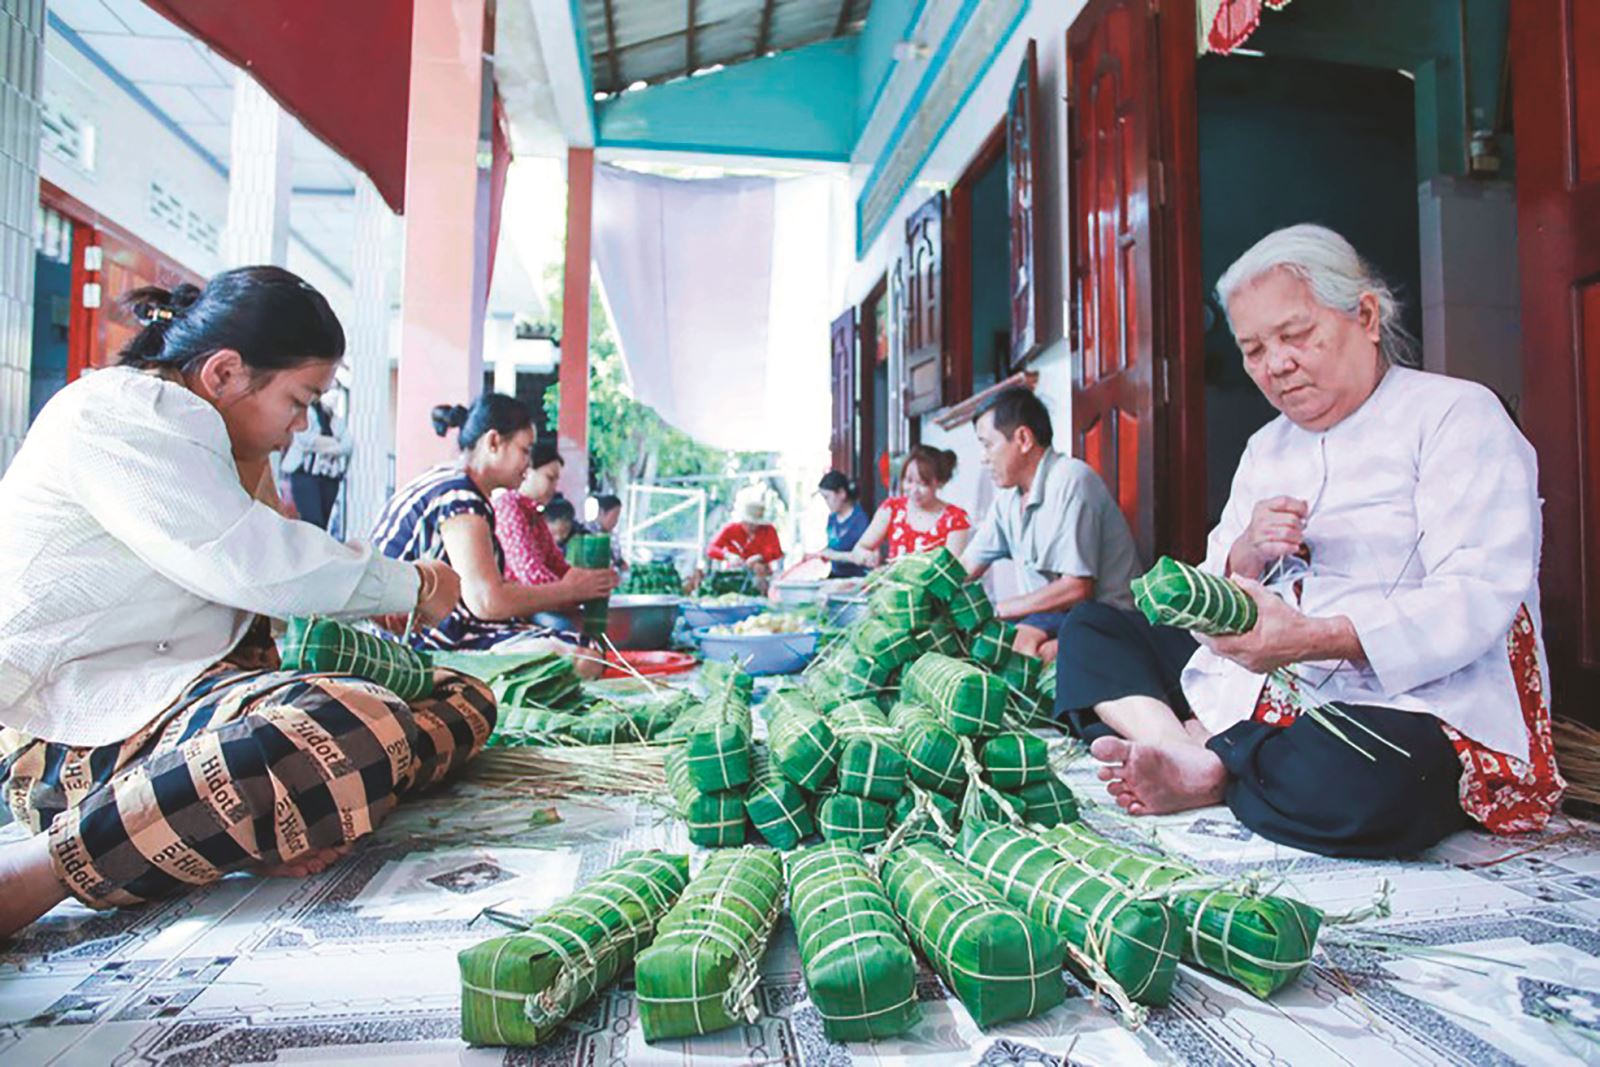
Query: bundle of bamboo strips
(555,773)
(1578,754)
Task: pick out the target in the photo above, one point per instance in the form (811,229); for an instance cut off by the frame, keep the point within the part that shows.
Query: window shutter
(1022,170)
(924,308)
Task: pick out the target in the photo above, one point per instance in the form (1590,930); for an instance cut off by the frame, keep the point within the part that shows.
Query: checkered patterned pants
(247,768)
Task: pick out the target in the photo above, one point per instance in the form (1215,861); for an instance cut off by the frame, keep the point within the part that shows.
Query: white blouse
(132,559)
(1424,531)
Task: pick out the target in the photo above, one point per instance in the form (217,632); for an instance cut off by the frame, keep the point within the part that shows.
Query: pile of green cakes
(652,578)
(710,771)
(738,581)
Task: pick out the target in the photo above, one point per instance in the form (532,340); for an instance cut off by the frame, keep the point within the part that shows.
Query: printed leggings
(248,768)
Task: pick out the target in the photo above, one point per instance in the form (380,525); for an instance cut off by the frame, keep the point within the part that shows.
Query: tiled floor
(358,964)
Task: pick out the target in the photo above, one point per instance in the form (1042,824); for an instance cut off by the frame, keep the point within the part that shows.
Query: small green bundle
(970,608)
(943,638)
(937,572)
(801,741)
(971,701)
(860,970)
(1013,760)
(326,646)
(991,644)
(1261,942)
(871,764)
(718,740)
(995,807)
(652,578)
(843,671)
(906,808)
(1048,803)
(592,552)
(1173,593)
(700,975)
(715,820)
(932,749)
(739,581)
(1000,963)
(905,607)
(851,820)
(516,990)
(776,806)
(1133,942)
(886,645)
(603,725)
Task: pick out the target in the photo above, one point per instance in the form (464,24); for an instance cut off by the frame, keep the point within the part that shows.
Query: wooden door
(924,308)
(845,424)
(1134,266)
(1555,57)
(1022,168)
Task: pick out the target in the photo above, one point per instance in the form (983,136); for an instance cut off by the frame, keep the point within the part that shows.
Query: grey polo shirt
(1067,525)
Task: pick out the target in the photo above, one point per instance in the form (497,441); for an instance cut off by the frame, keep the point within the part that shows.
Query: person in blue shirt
(846,523)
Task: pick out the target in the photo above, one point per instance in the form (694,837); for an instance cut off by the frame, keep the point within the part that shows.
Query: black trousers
(314,497)
(1299,785)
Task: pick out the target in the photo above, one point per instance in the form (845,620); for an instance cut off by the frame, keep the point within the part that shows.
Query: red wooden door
(1022,168)
(1138,396)
(845,424)
(1112,58)
(1555,56)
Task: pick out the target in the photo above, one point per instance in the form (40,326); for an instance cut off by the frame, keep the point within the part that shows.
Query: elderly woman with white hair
(1387,525)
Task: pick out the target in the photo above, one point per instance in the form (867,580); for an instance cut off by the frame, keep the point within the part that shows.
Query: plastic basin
(760,654)
(700,616)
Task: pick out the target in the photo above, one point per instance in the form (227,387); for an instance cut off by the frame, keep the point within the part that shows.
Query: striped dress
(410,528)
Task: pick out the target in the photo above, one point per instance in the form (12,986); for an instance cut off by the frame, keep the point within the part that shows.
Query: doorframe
(958,267)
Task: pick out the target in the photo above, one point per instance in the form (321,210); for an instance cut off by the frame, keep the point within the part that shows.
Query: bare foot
(28,883)
(1028,640)
(1159,779)
(314,862)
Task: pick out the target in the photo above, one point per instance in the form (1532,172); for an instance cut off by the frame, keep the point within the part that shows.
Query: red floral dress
(903,539)
(1506,795)
(532,556)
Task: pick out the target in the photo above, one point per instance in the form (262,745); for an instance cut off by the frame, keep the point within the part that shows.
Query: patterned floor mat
(358,964)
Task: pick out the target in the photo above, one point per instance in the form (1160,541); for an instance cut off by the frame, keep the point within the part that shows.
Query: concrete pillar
(260,173)
(22,28)
(446,248)
(572,421)
(367,485)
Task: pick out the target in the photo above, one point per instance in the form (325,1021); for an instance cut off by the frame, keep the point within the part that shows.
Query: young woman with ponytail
(917,520)
(147,736)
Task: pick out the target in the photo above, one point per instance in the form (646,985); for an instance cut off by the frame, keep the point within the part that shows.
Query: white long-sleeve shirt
(1424,529)
(132,559)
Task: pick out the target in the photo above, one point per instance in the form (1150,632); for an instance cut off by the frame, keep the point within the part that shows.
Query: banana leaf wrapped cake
(1001,963)
(518,988)
(592,551)
(1173,593)
(991,644)
(1048,803)
(887,645)
(871,764)
(937,572)
(801,741)
(859,968)
(932,750)
(714,820)
(777,808)
(1133,941)
(717,738)
(971,701)
(327,646)
(1261,942)
(905,607)
(851,820)
(700,975)
(1012,760)
(970,608)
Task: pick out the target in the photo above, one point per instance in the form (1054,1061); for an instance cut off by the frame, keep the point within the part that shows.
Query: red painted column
(446,254)
(572,421)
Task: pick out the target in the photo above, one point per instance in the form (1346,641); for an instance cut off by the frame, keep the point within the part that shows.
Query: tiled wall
(21,53)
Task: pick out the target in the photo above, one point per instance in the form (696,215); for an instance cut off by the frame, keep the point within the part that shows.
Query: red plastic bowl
(649,664)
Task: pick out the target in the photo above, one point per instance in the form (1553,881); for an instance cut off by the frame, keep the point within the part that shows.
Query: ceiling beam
(764,34)
(611,48)
(844,17)
(688,42)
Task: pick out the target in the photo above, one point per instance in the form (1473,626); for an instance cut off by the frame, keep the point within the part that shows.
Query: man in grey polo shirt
(1054,517)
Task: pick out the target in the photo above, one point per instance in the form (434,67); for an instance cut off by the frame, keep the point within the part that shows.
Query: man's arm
(1059,595)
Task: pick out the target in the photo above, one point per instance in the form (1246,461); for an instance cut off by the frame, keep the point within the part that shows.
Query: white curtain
(721,291)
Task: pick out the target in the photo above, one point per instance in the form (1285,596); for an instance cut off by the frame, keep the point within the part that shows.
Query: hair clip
(160,314)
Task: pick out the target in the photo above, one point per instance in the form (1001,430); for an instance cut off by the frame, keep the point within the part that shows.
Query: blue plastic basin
(760,653)
(700,616)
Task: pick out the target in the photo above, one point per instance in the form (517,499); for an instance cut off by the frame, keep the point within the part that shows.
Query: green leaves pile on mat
(1173,593)
(860,972)
(518,988)
(1261,942)
(1132,942)
(700,975)
(328,646)
(998,961)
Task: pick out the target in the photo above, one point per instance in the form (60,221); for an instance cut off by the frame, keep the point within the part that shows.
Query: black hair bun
(447,417)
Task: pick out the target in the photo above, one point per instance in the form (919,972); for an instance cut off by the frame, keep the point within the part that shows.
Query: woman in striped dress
(445,514)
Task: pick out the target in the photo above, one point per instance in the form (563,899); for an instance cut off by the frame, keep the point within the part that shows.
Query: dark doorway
(1284,141)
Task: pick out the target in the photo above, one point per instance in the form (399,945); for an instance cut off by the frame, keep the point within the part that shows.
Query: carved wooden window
(924,308)
(1022,170)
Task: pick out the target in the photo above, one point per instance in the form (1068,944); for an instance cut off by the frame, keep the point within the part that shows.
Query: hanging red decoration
(1227,24)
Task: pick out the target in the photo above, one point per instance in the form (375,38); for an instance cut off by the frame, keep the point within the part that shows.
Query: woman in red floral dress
(917,520)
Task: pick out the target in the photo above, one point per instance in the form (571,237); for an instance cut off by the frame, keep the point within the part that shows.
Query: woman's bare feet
(314,862)
(28,883)
(1151,779)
